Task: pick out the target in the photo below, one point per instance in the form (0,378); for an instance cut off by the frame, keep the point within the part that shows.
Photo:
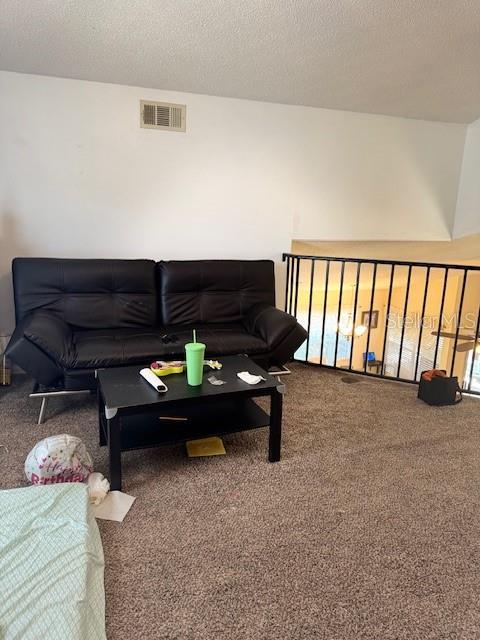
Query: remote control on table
(154,380)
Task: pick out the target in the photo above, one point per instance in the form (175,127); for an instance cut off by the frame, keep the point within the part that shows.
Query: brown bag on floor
(436,388)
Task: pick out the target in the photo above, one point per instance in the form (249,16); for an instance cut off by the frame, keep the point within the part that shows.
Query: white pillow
(61,458)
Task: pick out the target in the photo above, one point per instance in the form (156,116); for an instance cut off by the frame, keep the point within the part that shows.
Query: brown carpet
(369,528)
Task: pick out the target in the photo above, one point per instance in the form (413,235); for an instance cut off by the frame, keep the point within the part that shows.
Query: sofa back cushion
(198,291)
(88,294)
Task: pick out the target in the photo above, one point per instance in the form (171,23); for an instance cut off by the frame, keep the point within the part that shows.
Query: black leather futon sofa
(76,316)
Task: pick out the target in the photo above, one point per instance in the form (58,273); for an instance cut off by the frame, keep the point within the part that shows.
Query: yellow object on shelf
(205,447)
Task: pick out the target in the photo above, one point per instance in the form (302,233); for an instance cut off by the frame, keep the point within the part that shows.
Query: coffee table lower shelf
(146,430)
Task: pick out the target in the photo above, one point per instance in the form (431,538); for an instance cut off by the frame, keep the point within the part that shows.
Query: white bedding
(51,565)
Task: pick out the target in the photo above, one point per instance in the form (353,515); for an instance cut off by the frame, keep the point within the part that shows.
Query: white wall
(467,216)
(80,178)
(376,178)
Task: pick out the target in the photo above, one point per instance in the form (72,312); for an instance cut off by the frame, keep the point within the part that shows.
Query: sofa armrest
(52,335)
(41,345)
(269,323)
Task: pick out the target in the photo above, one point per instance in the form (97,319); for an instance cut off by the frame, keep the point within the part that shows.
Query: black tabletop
(124,387)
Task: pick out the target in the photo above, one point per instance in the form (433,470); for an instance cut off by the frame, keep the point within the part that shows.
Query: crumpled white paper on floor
(115,506)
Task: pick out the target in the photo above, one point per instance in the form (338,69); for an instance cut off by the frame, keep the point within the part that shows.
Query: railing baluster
(442,304)
(296,287)
(459,319)
(289,259)
(424,304)
(370,315)
(354,318)
(327,275)
(474,352)
(405,307)
(292,270)
(387,314)
(339,315)
(310,296)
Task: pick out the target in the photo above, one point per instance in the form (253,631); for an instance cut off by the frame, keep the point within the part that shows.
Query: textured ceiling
(413,58)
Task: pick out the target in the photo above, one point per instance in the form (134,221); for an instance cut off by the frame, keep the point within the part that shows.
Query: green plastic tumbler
(195,354)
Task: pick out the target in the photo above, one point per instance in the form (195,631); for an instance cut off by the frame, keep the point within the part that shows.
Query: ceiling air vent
(162,115)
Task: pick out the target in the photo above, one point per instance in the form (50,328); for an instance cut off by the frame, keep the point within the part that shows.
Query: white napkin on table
(249,378)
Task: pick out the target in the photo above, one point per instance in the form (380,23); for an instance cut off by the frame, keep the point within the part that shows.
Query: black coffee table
(132,415)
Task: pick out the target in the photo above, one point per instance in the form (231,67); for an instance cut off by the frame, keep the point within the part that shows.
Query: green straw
(194,336)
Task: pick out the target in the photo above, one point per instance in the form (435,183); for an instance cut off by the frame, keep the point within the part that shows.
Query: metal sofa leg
(37,392)
(43,409)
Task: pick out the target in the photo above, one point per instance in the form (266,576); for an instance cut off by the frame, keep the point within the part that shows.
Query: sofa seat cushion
(221,339)
(114,347)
